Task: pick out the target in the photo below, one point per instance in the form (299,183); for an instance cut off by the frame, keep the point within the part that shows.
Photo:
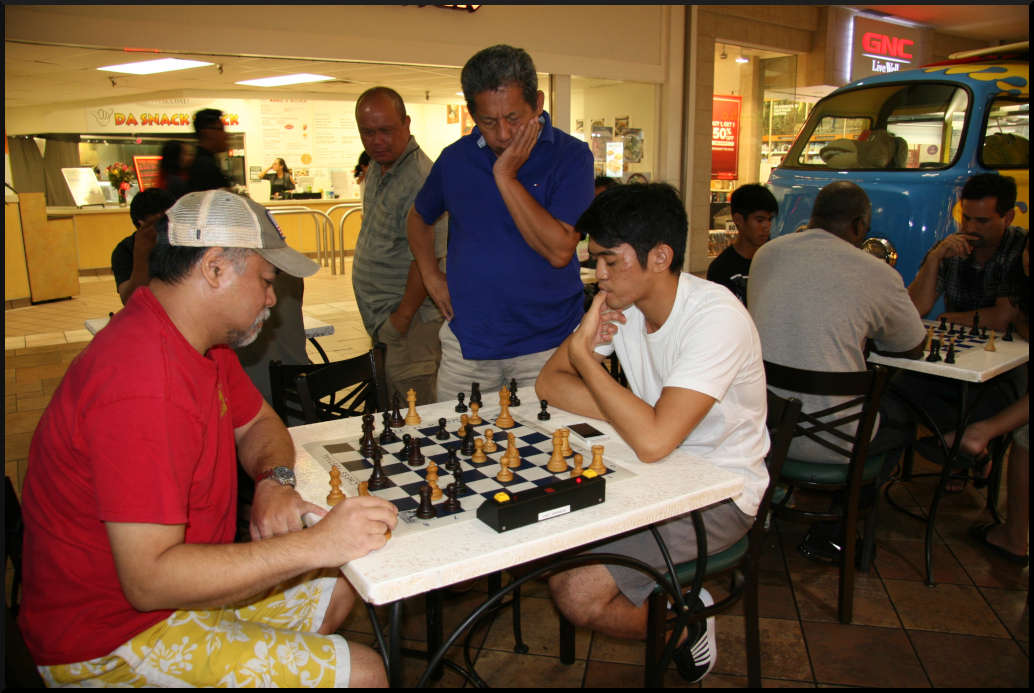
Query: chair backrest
(783,414)
(863,389)
(335,390)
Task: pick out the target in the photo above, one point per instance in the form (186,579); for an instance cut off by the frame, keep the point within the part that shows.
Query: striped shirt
(382,254)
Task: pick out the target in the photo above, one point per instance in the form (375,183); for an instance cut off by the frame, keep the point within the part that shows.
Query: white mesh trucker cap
(221,219)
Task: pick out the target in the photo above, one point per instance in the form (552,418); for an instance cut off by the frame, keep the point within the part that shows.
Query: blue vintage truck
(910,139)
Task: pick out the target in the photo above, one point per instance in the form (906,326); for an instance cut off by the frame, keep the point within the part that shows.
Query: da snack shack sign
(150,117)
(725,137)
(879,48)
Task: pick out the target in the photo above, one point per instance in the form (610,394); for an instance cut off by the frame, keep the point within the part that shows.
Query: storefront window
(620,123)
(892,127)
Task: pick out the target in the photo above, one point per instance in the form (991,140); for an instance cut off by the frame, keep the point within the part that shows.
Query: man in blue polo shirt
(513,189)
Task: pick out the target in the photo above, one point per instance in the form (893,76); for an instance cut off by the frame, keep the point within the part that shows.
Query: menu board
(82,183)
(147,170)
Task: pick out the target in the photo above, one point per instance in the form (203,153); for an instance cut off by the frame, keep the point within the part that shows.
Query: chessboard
(963,336)
(534,444)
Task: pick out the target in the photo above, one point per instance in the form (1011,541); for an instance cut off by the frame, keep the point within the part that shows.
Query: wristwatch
(282,475)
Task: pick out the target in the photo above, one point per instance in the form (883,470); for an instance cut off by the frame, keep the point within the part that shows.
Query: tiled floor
(971,630)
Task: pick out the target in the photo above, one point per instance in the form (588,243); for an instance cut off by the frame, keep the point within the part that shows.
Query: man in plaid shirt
(971,268)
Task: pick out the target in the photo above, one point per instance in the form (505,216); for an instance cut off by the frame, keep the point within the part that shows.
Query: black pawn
(416,458)
(475,393)
(543,415)
(467,448)
(426,510)
(461,486)
(950,356)
(377,478)
(461,407)
(514,400)
(1007,337)
(453,463)
(441,434)
(396,415)
(975,332)
(951,329)
(452,502)
(387,435)
(935,351)
(407,444)
(983,332)
(944,325)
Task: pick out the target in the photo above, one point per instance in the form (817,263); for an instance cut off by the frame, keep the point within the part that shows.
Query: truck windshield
(896,127)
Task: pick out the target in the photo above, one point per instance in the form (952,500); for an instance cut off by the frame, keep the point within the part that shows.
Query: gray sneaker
(695,659)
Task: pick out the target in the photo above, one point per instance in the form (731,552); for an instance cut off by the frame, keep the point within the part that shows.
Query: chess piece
(951,329)
(452,502)
(407,445)
(944,324)
(479,455)
(336,495)
(378,479)
(983,332)
(504,420)
(367,443)
(514,401)
(929,339)
(387,435)
(432,480)
(565,443)
(990,346)
(364,488)
(475,420)
(452,465)
(462,430)
(505,475)
(935,351)
(425,511)
(511,450)
(490,445)
(1007,337)
(412,418)
(475,393)
(597,460)
(460,407)
(467,447)
(396,415)
(543,415)
(416,458)
(577,471)
(556,462)
(975,332)
(441,433)
(950,356)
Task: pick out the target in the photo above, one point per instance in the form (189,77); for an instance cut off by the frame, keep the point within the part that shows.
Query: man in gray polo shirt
(392,300)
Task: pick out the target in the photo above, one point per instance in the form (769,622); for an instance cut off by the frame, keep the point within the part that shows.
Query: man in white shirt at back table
(696,379)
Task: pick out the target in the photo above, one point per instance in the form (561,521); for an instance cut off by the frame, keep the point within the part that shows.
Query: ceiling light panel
(150,67)
(284,80)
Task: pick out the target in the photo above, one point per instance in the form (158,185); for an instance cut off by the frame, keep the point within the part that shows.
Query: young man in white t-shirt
(696,381)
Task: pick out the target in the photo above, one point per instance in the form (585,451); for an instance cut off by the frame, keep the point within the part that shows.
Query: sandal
(979,534)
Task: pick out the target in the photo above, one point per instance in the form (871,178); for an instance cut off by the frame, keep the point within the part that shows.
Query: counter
(97,230)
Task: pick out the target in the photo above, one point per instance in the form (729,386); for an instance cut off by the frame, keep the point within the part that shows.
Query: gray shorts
(725,525)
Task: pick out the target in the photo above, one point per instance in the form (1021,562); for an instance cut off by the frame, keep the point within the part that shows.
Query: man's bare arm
(421,244)
(913,353)
(996,317)
(143,243)
(551,238)
(158,571)
(412,297)
(923,289)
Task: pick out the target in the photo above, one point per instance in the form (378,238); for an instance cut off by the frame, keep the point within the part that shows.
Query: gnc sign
(881,47)
(889,46)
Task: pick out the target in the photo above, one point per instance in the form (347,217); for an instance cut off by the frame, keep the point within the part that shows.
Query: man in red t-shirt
(129,498)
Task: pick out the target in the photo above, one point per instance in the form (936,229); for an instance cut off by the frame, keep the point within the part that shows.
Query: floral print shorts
(269,642)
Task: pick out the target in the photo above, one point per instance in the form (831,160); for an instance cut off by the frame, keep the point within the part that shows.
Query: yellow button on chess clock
(589,474)
(501,497)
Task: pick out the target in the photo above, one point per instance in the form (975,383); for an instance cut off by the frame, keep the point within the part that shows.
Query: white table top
(313,327)
(972,365)
(419,561)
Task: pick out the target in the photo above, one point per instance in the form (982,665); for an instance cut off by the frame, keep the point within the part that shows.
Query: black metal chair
(849,469)
(739,560)
(321,392)
(19,670)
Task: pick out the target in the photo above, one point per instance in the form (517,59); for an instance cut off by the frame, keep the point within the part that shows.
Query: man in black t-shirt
(753,209)
(130,258)
(205,173)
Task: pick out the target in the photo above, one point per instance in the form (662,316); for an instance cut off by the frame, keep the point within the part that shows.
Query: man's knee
(367,668)
(582,594)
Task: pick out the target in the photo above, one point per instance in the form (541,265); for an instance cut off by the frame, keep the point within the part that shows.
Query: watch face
(285,475)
